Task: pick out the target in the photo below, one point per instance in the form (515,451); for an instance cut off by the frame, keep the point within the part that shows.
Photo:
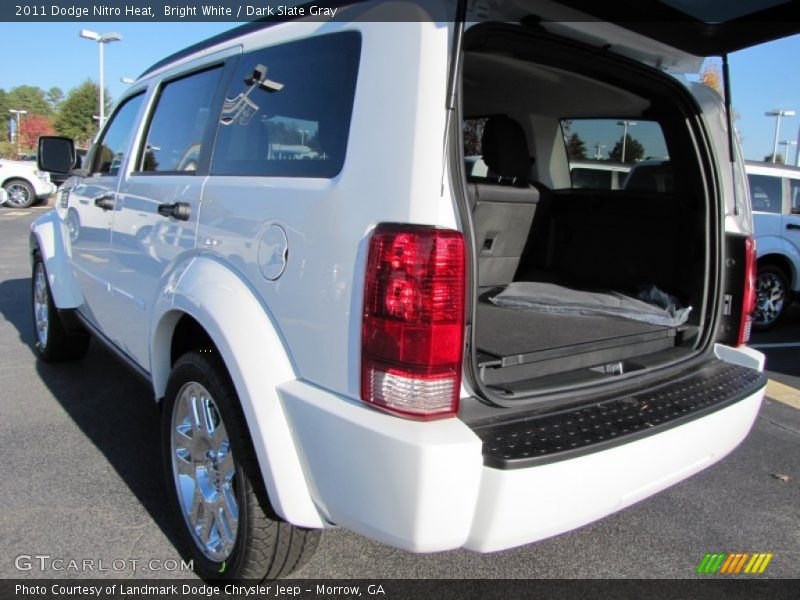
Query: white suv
(775,197)
(23,183)
(344,328)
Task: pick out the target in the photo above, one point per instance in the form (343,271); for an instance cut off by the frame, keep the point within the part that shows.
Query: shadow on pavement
(111,406)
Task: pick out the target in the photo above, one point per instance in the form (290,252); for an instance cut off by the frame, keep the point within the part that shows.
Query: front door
(90,213)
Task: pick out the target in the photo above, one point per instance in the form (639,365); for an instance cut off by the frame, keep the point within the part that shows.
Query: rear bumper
(517,507)
(424,487)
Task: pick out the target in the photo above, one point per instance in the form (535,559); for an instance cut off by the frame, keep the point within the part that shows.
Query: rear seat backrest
(503,203)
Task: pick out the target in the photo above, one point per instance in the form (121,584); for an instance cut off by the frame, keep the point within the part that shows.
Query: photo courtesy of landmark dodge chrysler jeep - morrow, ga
(343,327)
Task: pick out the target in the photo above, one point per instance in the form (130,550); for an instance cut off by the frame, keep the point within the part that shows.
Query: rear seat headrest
(505,149)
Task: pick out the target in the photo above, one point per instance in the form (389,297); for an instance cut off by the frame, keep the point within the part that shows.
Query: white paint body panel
(27,171)
(51,238)
(773,237)
(423,486)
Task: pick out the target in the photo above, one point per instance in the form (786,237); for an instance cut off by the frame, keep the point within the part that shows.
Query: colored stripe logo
(734,563)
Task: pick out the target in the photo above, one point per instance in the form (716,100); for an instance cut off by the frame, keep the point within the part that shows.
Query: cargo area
(591,264)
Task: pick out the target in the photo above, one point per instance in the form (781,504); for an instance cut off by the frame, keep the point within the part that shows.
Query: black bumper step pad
(553,437)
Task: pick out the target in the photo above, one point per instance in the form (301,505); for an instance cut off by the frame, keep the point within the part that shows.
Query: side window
(177,129)
(473,148)
(607,154)
(765,193)
(288,110)
(794,191)
(109,154)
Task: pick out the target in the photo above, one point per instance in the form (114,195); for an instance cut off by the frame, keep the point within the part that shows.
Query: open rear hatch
(565,244)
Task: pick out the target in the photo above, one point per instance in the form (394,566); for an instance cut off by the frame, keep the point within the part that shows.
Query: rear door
(791,225)
(766,198)
(159,198)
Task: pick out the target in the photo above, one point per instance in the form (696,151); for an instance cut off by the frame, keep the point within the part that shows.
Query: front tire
(227,525)
(772,297)
(20,193)
(51,341)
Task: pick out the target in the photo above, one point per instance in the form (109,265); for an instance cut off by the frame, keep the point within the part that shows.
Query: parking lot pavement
(781,345)
(82,480)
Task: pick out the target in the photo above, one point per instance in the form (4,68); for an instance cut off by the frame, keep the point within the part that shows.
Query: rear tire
(227,525)
(51,341)
(772,297)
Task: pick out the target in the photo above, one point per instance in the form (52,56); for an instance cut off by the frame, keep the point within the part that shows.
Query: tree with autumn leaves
(49,112)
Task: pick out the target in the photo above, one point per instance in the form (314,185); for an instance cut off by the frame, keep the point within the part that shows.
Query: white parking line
(778,345)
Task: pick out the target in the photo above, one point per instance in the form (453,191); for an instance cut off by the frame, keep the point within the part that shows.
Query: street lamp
(19,113)
(127,80)
(788,144)
(778,114)
(101,40)
(625,124)
(597,147)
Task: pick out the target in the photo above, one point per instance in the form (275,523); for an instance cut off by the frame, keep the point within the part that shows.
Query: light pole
(777,113)
(101,40)
(788,144)
(19,113)
(597,147)
(625,124)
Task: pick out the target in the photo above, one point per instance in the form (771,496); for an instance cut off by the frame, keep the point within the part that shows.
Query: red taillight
(749,300)
(413,329)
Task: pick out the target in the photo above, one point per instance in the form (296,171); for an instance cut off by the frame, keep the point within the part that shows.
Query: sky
(52,54)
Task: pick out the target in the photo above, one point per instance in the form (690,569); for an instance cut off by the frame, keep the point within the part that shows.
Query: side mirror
(56,154)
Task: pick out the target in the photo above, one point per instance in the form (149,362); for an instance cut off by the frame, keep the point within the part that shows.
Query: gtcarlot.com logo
(46,562)
(734,563)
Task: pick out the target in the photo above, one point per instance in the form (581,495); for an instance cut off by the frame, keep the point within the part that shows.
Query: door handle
(106,201)
(793,226)
(177,210)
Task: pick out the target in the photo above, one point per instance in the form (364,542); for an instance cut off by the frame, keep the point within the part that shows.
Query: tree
(778,158)
(712,77)
(55,96)
(4,115)
(32,128)
(76,117)
(634,151)
(576,147)
(473,134)
(30,98)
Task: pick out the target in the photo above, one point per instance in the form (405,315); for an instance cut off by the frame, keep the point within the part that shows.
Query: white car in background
(775,198)
(23,183)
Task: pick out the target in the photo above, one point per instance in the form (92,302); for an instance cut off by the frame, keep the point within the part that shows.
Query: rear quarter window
(765,193)
(602,153)
(287,112)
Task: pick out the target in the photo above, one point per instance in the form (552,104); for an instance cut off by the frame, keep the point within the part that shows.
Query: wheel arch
(784,263)
(47,236)
(189,314)
(21,178)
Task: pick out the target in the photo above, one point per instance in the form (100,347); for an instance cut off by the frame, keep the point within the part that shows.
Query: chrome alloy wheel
(41,306)
(770,298)
(19,194)
(204,472)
